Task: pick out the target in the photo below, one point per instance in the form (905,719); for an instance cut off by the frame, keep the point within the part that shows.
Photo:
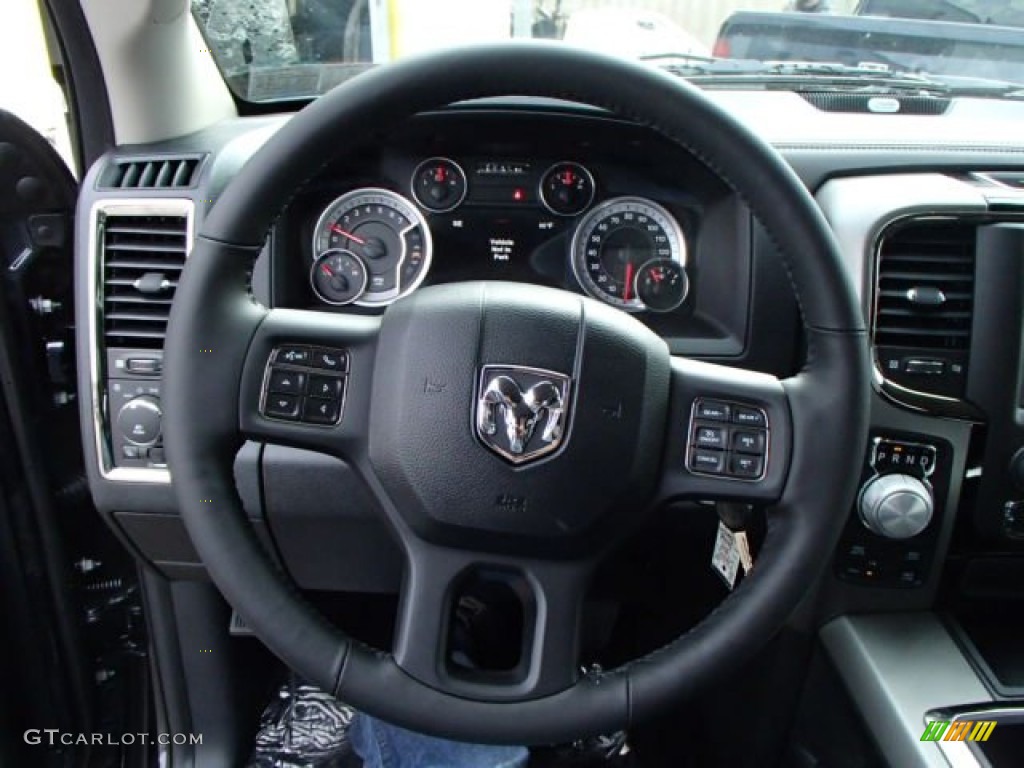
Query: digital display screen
(522,245)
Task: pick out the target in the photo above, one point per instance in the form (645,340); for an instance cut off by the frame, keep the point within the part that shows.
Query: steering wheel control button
(712,462)
(329,387)
(748,441)
(292,355)
(712,410)
(744,465)
(282,406)
(711,437)
(716,449)
(330,359)
(306,384)
(286,381)
(317,410)
(749,417)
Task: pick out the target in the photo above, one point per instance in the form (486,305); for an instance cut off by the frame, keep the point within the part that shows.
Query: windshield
(274,50)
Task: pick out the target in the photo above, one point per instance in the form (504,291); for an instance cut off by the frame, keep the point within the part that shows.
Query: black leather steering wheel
(453,504)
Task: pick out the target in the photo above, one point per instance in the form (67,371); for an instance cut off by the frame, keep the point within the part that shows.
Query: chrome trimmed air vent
(143,257)
(157,172)
(924,303)
(163,216)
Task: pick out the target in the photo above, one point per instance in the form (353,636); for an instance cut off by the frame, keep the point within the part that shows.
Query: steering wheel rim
(218,337)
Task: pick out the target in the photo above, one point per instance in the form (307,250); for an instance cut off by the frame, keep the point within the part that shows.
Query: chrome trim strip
(94,287)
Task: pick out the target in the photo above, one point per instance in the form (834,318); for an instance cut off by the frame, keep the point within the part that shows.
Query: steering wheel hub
(507,414)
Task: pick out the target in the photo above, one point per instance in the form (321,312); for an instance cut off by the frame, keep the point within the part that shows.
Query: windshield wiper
(796,75)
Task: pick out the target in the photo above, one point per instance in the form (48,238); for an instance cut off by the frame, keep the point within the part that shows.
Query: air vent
(177,172)
(142,260)
(924,304)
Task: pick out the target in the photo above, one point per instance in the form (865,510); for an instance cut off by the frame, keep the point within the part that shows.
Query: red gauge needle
(628,290)
(658,275)
(349,235)
(326,270)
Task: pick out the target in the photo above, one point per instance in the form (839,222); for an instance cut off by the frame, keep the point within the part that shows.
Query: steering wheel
(604,413)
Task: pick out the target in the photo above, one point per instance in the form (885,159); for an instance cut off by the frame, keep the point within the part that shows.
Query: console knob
(895,506)
(139,420)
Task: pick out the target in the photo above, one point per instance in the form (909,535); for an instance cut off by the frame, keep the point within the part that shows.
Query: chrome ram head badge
(512,402)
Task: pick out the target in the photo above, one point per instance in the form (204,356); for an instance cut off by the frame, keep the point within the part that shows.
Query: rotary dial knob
(896,506)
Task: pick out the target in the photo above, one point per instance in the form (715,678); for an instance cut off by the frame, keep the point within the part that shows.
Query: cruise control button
(293,355)
(712,410)
(282,406)
(330,359)
(329,387)
(749,417)
(316,410)
(748,441)
(286,382)
(710,437)
(746,466)
(707,461)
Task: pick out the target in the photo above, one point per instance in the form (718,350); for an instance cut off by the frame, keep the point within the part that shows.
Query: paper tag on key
(725,558)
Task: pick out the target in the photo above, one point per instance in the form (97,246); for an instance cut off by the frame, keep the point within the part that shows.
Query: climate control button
(138,421)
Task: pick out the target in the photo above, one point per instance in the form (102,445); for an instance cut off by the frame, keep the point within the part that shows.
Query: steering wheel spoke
(490,628)
(730,434)
(306,381)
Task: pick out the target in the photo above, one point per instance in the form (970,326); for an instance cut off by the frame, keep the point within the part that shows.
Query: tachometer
(615,240)
(387,234)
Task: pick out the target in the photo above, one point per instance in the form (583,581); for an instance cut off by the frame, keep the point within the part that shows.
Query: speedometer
(386,233)
(615,240)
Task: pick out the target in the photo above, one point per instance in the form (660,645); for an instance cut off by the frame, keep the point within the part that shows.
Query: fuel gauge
(338,277)
(662,285)
(439,184)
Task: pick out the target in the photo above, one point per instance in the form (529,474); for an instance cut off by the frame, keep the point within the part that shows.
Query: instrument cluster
(500,219)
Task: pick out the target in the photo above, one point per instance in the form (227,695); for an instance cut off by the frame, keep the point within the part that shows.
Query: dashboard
(927,218)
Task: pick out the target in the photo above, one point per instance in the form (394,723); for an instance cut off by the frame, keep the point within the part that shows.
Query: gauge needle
(628,290)
(349,235)
(326,270)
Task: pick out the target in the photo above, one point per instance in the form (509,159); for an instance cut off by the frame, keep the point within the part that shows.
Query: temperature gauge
(439,184)
(662,285)
(567,189)
(338,277)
